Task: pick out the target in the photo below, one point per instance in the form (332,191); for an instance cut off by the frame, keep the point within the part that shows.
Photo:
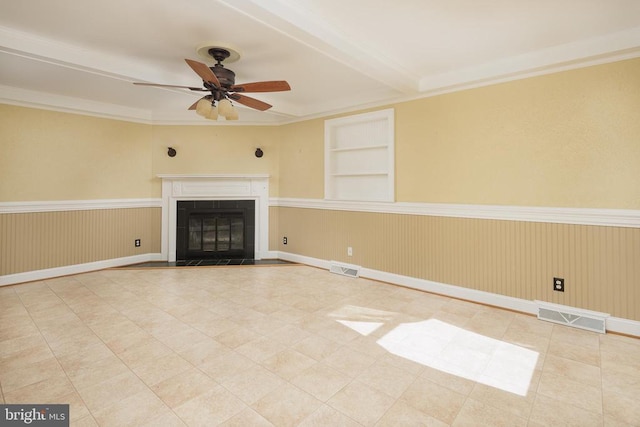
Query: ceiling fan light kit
(220,82)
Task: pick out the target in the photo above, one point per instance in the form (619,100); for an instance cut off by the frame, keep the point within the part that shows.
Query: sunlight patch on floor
(466,354)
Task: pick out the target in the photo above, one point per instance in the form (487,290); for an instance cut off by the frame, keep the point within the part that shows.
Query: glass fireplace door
(216,235)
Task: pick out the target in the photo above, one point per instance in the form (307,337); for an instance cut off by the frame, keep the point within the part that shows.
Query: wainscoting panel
(32,241)
(600,264)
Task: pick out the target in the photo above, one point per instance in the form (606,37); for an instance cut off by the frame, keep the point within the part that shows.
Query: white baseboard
(30,276)
(614,324)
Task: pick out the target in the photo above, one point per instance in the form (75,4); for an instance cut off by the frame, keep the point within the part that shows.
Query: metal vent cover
(344,269)
(574,317)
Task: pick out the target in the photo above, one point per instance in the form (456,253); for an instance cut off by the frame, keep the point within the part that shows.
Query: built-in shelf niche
(359,157)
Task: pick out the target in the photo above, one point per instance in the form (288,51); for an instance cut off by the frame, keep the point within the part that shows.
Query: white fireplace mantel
(214,187)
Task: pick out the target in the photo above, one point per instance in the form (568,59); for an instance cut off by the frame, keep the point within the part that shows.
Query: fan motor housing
(226,77)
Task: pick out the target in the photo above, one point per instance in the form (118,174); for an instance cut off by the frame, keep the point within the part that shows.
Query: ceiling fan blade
(203,71)
(250,102)
(195,104)
(268,86)
(181,87)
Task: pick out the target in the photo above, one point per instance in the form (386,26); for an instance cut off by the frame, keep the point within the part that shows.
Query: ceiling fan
(220,82)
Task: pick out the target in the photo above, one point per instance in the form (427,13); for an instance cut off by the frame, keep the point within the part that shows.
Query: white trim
(581,216)
(77,205)
(29,276)
(614,324)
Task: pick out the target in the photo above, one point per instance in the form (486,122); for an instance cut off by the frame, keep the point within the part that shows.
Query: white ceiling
(337,55)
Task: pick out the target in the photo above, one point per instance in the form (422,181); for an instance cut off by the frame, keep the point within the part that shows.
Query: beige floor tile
(213,407)
(226,365)
(77,407)
(491,322)
(453,382)
(129,338)
(24,357)
(11,346)
(361,403)
(50,390)
(166,418)
(403,414)
(252,384)
(321,381)
(85,357)
(288,335)
(86,421)
(528,340)
(574,370)
(134,410)
(328,416)
(246,418)
(577,337)
(474,413)
(387,378)
(203,351)
(316,347)
(433,399)
(260,348)
(161,368)
(288,363)
(348,361)
(588,355)
(236,337)
(622,407)
(101,395)
(571,392)
(184,337)
(186,385)
(30,374)
(212,341)
(86,374)
(548,411)
(144,353)
(286,406)
(621,379)
(505,400)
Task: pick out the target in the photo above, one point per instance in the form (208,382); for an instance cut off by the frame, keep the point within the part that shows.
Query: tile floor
(295,345)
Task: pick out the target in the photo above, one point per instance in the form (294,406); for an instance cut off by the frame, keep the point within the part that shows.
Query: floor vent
(575,317)
(344,269)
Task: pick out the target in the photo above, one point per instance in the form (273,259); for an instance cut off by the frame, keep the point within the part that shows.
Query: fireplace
(216,188)
(215,229)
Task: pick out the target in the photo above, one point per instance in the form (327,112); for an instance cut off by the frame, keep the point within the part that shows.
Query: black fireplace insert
(215,229)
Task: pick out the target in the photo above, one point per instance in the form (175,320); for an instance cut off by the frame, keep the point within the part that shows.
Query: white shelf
(360,174)
(363,148)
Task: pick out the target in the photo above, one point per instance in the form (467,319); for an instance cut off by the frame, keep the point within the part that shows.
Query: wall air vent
(571,316)
(344,269)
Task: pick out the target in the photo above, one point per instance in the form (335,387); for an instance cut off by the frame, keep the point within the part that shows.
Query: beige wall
(562,140)
(49,155)
(302,160)
(514,258)
(42,240)
(217,150)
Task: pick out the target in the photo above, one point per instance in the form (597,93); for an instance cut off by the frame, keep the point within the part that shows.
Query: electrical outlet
(349,251)
(558,284)
(137,243)
(284,240)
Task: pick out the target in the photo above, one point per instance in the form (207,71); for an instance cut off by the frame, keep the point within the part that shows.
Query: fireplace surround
(214,188)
